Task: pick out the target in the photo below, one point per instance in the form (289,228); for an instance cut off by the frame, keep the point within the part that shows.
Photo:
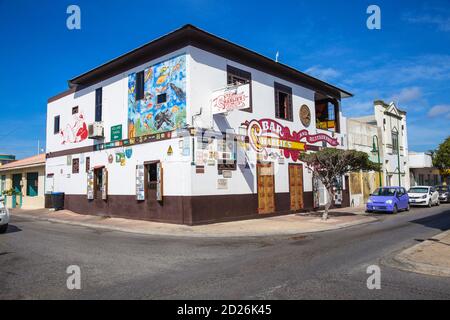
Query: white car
(4,216)
(423,196)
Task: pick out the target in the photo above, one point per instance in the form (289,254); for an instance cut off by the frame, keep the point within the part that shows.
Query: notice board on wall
(90,185)
(140,182)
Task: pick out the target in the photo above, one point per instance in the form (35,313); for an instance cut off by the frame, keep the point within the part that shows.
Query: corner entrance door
(296,186)
(266,188)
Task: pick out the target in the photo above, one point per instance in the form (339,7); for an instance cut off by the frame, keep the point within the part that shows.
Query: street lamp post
(398,163)
(376,149)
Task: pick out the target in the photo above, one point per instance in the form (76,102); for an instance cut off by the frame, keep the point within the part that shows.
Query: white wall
(420,160)
(121,179)
(205,73)
(208,73)
(390,163)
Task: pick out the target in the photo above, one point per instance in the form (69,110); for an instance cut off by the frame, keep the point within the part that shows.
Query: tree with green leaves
(441,158)
(329,164)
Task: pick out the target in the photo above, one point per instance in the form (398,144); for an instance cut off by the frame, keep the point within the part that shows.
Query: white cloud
(321,73)
(357,108)
(441,22)
(407,95)
(423,68)
(442,110)
(422,137)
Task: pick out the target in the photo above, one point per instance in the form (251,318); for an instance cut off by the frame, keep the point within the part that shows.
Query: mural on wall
(268,134)
(163,107)
(76,131)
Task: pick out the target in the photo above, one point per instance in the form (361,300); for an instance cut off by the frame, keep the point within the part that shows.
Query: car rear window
(418,190)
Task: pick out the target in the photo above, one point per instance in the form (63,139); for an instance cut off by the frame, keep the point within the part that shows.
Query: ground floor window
(98,183)
(32,184)
(152,176)
(17,182)
(3,184)
(421,180)
(153,181)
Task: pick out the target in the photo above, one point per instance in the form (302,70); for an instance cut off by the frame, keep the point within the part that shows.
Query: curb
(195,234)
(405,261)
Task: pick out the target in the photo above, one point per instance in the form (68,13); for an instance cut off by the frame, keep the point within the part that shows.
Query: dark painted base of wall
(182,210)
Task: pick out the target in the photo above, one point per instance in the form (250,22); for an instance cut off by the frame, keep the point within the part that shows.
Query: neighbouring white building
(190,129)
(422,171)
(384,136)
(363,136)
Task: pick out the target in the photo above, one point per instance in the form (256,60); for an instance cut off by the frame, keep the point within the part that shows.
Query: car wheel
(369,211)
(3,228)
(408,207)
(395,210)
(438,203)
(430,204)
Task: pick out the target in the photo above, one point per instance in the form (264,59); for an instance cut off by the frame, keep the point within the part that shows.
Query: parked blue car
(388,199)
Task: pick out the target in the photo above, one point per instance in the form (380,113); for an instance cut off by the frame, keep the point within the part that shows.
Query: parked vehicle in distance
(444,193)
(388,199)
(423,196)
(4,216)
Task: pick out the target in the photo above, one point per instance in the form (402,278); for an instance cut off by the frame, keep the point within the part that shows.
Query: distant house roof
(25,163)
(7,157)
(190,35)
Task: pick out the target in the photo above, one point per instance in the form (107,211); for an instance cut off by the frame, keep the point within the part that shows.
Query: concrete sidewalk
(283,225)
(430,257)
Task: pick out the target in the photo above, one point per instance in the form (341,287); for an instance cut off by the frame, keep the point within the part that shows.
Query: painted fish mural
(147,116)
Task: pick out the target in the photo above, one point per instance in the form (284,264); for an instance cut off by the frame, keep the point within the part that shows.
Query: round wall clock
(305,115)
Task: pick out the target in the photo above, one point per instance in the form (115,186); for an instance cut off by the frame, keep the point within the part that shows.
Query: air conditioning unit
(96,130)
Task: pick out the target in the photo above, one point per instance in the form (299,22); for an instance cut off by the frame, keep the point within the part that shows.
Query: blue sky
(407,61)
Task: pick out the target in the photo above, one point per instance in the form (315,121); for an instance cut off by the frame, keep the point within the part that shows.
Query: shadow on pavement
(439,221)
(330,214)
(12,229)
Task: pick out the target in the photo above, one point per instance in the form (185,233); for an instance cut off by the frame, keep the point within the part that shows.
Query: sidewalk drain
(296,238)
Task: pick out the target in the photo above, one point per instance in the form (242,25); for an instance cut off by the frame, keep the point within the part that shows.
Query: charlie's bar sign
(229,99)
(268,133)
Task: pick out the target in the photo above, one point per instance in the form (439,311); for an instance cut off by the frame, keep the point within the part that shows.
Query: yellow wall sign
(272,142)
(170,151)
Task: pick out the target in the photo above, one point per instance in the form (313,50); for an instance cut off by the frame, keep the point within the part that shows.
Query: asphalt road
(34,256)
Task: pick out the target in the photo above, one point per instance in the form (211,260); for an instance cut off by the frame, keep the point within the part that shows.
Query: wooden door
(296,186)
(266,188)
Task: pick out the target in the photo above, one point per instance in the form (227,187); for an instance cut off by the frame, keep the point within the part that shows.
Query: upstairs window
(283,102)
(395,145)
(56,127)
(327,115)
(237,77)
(98,104)
(161,98)
(139,85)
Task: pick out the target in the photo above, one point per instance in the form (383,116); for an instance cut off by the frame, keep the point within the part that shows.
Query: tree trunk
(328,204)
